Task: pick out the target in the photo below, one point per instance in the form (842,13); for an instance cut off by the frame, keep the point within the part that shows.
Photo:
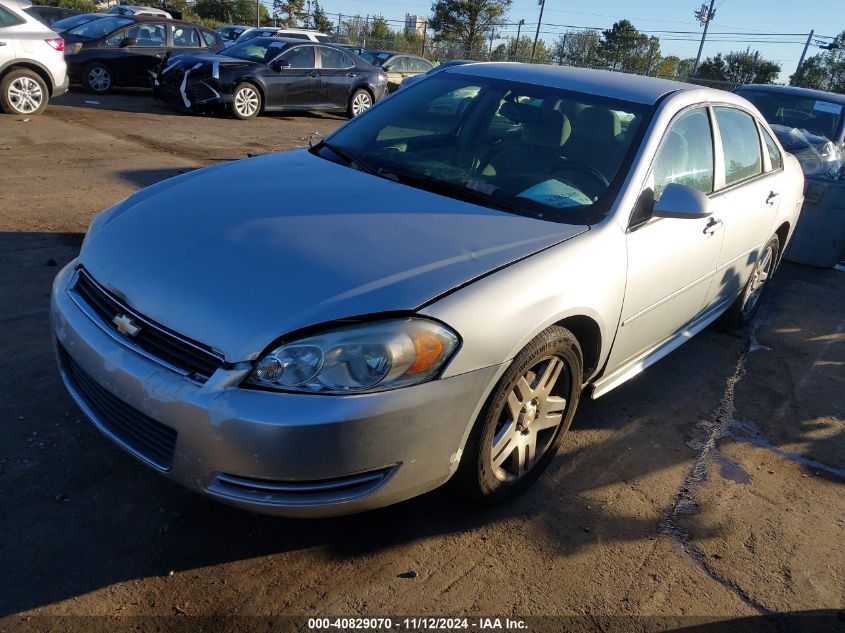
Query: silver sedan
(427,293)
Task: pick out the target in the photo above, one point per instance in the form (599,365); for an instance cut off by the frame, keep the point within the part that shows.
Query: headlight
(358,358)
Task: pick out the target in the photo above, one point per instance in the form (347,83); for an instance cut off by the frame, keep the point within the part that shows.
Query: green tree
(230,11)
(577,48)
(379,30)
(467,22)
(320,21)
(624,48)
(739,67)
(825,71)
(80,5)
(520,51)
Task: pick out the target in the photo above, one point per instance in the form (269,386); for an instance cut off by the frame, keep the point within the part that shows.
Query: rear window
(325,39)
(741,145)
(73,21)
(98,28)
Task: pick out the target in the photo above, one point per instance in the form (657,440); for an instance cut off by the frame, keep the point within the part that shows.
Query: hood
(236,255)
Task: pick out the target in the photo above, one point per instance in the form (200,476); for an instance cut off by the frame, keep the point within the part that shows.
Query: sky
(751,17)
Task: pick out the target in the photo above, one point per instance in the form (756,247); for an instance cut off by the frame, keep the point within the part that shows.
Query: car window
(333,58)
(185,37)
(116,38)
(817,116)
(775,157)
(256,50)
(293,36)
(325,39)
(686,154)
(418,65)
(147,35)
(209,38)
(398,64)
(72,21)
(7,18)
(740,144)
(98,28)
(300,57)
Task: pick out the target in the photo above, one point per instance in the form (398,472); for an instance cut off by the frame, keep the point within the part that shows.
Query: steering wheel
(584,168)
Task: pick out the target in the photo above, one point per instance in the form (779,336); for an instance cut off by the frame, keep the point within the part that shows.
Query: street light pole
(704,16)
(803,55)
(518,31)
(537,34)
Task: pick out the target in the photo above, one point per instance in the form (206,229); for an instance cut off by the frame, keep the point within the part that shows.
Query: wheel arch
(782,233)
(29,64)
(588,334)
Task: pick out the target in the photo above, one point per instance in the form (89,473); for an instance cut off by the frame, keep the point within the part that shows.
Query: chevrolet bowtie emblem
(125,325)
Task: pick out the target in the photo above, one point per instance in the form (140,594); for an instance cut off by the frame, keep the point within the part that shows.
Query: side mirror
(128,41)
(279,64)
(680,201)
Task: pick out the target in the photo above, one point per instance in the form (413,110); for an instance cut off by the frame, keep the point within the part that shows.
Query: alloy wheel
(25,95)
(362,101)
(535,410)
(759,277)
(99,79)
(246,102)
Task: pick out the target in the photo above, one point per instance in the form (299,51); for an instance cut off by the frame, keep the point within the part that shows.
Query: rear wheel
(246,101)
(22,91)
(742,310)
(521,427)
(97,78)
(360,101)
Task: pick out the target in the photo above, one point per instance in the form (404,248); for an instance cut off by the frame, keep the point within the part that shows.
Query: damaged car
(267,74)
(428,292)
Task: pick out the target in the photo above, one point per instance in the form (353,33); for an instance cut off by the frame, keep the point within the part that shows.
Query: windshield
(249,35)
(524,148)
(805,113)
(98,28)
(261,50)
(74,20)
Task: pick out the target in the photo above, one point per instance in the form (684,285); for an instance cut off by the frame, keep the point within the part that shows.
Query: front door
(397,70)
(7,44)
(297,85)
(749,201)
(670,261)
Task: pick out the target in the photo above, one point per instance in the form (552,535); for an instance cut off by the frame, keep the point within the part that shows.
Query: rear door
(337,76)
(298,85)
(185,39)
(748,196)
(396,70)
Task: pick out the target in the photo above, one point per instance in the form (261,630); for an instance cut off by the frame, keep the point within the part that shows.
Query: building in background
(414,24)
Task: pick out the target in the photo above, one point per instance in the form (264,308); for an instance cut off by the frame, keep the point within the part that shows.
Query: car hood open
(236,255)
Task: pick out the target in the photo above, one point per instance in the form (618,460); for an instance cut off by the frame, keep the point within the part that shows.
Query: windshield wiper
(351,159)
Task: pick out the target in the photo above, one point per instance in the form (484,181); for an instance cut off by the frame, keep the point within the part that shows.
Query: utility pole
(425,33)
(542,4)
(490,52)
(257,13)
(337,33)
(705,16)
(803,55)
(518,31)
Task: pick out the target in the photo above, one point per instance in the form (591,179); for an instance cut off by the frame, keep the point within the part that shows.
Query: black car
(125,51)
(270,74)
(71,22)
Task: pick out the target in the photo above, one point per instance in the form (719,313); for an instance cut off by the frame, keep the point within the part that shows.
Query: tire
(246,101)
(742,311)
(360,101)
(489,476)
(23,92)
(97,78)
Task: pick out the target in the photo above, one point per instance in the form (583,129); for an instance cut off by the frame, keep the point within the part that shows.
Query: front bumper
(277,453)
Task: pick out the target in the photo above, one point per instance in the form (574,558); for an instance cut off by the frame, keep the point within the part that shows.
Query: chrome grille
(187,357)
(150,440)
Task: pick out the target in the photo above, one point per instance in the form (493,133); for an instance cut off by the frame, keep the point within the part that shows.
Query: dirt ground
(711,485)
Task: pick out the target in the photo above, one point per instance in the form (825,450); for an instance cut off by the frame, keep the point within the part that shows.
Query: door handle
(313,74)
(771,198)
(351,75)
(2,43)
(712,226)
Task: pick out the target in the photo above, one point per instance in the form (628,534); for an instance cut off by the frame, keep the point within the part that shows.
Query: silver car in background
(427,292)
(32,61)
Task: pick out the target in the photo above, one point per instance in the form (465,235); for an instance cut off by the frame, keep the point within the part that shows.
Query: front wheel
(360,101)
(246,101)
(23,92)
(521,427)
(742,310)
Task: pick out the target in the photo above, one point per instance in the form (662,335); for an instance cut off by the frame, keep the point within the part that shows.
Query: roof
(604,83)
(792,90)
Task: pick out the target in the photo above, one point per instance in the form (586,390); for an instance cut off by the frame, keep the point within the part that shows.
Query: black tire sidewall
(476,477)
(87,70)
(7,80)
(241,86)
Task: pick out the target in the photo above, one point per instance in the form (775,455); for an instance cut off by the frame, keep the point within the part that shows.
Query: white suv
(32,61)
